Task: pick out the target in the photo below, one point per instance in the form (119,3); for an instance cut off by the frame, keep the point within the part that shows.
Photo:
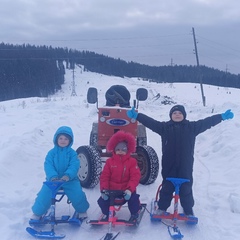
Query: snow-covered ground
(27,128)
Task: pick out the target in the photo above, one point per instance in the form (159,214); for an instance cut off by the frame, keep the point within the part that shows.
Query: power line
(220,44)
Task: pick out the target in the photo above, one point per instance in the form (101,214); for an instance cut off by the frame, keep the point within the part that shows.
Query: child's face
(120,152)
(62,141)
(177,116)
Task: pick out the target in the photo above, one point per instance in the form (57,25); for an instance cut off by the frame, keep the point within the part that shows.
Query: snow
(28,125)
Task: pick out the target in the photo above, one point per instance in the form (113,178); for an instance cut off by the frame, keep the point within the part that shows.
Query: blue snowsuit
(61,161)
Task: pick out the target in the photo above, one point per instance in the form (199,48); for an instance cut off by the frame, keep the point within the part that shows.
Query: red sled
(175,216)
(113,220)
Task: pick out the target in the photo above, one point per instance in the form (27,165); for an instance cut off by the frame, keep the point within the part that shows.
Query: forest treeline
(38,71)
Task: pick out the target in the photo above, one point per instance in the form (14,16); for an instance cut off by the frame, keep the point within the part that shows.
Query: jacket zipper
(124,170)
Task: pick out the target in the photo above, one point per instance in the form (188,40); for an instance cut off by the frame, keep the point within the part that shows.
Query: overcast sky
(153,32)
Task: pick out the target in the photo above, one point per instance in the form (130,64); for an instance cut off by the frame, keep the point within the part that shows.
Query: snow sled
(49,218)
(175,216)
(113,220)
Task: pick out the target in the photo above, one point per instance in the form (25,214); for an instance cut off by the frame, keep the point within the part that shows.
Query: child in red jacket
(121,172)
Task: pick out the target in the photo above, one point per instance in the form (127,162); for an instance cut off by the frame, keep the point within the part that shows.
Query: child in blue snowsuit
(61,164)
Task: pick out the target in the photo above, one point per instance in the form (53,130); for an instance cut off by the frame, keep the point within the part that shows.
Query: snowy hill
(27,128)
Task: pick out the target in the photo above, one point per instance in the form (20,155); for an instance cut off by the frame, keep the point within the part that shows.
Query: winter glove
(54,179)
(104,196)
(132,113)
(65,178)
(227,115)
(127,195)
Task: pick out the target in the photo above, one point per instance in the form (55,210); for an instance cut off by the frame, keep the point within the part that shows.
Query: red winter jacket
(121,172)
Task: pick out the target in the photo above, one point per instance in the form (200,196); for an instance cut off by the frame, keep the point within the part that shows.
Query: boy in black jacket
(178,139)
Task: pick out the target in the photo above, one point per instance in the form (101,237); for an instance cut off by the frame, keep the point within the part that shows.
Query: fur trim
(122,136)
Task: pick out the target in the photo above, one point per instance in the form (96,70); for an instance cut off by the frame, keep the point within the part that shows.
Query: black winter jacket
(178,140)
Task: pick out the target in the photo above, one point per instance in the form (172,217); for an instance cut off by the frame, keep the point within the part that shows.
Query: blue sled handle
(54,186)
(177,182)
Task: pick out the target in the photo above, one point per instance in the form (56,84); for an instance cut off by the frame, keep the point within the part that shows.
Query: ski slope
(27,129)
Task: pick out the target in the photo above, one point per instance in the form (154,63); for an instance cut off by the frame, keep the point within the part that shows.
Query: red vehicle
(112,118)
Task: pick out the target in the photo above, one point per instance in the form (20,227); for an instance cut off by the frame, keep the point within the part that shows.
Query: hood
(122,136)
(63,130)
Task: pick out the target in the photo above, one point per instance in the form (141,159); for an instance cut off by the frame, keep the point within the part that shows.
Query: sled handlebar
(113,193)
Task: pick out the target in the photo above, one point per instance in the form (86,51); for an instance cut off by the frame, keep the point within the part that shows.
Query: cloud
(150,32)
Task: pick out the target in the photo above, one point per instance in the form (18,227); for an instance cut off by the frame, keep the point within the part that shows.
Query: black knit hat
(178,108)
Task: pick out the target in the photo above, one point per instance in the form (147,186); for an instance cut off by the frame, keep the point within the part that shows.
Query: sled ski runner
(173,229)
(122,222)
(44,234)
(115,221)
(50,218)
(110,236)
(118,222)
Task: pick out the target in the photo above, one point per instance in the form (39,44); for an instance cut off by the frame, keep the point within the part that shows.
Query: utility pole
(199,70)
(226,68)
(73,83)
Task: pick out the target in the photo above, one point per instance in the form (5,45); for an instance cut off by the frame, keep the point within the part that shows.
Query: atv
(112,118)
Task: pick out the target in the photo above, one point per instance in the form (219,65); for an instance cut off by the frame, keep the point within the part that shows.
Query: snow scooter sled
(112,219)
(49,217)
(175,216)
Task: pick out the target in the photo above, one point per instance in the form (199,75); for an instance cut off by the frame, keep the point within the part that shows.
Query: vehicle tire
(90,166)
(141,141)
(93,140)
(148,163)
(141,135)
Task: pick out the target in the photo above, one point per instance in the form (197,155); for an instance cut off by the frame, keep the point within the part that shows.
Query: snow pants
(72,189)
(133,204)
(185,194)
